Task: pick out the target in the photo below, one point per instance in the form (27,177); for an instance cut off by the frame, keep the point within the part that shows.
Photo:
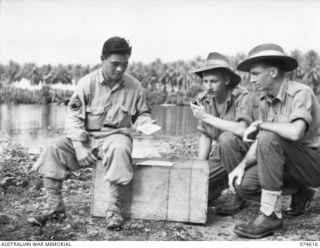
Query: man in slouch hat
(286,150)
(224,111)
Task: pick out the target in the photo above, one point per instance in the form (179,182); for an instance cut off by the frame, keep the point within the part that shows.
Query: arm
(243,115)
(204,146)
(293,131)
(143,113)
(295,125)
(225,125)
(249,160)
(75,127)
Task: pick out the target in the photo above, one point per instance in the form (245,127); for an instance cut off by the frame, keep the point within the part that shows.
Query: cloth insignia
(75,103)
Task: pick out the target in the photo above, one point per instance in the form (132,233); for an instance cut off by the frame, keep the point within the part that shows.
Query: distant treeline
(165,82)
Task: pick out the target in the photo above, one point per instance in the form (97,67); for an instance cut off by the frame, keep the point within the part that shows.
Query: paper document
(155,163)
(148,128)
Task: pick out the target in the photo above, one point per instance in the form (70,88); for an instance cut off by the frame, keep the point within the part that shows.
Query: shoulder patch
(75,103)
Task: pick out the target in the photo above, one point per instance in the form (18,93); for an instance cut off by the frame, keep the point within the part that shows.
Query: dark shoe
(215,192)
(114,220)
(300,201)
(233,207)
(41,219)
(260,227)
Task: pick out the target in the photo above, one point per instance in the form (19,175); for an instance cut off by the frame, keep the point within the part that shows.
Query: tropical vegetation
(169,82)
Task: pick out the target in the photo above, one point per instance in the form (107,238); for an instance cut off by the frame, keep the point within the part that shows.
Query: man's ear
(227,80)
(274,72)
(102,58)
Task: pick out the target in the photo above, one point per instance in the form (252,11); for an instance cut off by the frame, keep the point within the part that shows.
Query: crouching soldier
(103,108)
(224,111)
(286,152)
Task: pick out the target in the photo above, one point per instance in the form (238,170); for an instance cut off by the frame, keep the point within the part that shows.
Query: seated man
(287,149)
(224,111)
(104,105)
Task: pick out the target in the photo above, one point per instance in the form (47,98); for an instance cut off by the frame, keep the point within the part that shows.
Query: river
(34,125)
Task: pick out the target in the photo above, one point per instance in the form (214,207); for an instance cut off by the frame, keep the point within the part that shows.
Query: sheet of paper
(148,128)
(155,163)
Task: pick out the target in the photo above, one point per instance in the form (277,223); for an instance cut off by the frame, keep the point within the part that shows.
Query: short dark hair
(274,62)
(116,45)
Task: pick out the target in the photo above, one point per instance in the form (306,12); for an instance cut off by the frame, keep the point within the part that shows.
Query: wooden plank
(177,193)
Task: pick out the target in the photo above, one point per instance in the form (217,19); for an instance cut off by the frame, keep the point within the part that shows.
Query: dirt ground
(22,194)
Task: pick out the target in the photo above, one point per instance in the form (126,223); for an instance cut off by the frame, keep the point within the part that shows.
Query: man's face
(214,83)
(261,76)
(115,66)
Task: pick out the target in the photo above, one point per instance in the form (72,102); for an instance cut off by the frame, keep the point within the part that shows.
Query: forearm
(250,158)
(290,131)
(204,147)
(142,119)
(225,125)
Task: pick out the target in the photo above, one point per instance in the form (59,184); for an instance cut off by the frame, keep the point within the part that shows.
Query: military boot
(114,218)
(55,209)
(300,201)
(232,207)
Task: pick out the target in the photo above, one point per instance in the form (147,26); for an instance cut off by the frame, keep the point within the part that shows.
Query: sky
(73,31)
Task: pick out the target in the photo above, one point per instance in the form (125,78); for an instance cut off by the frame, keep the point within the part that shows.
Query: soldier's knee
(56,144)
(121,144)
(226,139)
(266,138)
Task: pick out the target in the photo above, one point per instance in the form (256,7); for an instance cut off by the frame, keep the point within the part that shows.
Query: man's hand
(251,132)
(198,111)
(236,176)
(84,156)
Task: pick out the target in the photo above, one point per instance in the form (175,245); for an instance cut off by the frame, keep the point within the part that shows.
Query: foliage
(170,82)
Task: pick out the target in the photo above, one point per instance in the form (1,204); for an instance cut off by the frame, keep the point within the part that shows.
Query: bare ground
(22,194)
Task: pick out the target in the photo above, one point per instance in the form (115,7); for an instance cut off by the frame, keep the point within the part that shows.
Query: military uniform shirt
(294,101)
(238,107)
(98,111)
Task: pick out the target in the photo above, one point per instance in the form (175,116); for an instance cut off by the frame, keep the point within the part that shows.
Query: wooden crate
(176,193)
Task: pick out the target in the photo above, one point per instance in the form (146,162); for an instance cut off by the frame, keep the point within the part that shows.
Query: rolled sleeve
(142,111)
(75,119)
(244,108)
(301,107)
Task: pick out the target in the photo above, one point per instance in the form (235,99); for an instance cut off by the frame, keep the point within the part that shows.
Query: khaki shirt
(96,110)
(294,101)
(238,107)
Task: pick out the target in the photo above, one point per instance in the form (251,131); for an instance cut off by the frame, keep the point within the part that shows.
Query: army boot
(114,218)
(55,209)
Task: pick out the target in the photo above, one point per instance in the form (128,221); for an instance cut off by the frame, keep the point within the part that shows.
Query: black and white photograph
(159,120)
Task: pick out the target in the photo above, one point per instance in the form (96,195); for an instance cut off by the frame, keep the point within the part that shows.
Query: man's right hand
(84,157)
(251,132)
(235,177)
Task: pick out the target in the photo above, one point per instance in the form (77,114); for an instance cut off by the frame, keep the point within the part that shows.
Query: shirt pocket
(125,117)
(94,118)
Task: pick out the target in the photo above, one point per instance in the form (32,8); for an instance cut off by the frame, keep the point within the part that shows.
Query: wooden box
(175,193)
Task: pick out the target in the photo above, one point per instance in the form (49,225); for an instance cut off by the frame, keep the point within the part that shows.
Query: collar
(281,94)
(102,80)
(230,95)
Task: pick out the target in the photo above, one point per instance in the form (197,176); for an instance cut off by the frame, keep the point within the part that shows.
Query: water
(34,125)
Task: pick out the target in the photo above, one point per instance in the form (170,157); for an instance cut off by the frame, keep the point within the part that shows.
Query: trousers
(229,152)
(282,165)
(115,150)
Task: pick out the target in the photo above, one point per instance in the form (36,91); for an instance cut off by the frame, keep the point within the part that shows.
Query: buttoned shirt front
(97,110)
(237,107)
(294,101)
